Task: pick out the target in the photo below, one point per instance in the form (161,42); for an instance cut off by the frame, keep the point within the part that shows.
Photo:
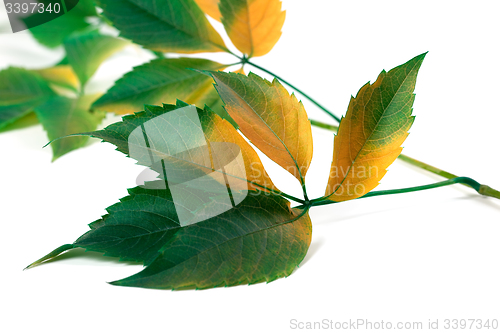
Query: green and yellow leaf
(85,52)
(165,26)
(370,135)
(20,92)
(61,75)
(215,129)
(254,26)
(272,119)
(61,116)
(210,7)
(161,81)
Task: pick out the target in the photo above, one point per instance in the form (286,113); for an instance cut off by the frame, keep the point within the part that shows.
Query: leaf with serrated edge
(165,26)
(20,92)
(61,116)
(159,81)
(273,120)
(254,26)
(370,135)
(260,240)
(210,7)
(61,75)
(214,128)
(85,52)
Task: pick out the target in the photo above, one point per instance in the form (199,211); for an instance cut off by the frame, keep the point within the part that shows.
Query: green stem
(481,189)
(294,88)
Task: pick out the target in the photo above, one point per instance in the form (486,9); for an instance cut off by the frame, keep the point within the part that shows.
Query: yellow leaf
(210,7)
(272,119)
(254,26)
(372,132)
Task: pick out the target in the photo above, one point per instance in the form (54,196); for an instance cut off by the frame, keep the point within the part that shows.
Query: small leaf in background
(210,7)
(61,76)
(272,119)
(259,240)
(61,116)
(85,52)
(161,81)
(186,235)
(53,33)
(20,92)
(370,135)
(254,26)
(28,120)
(166,26)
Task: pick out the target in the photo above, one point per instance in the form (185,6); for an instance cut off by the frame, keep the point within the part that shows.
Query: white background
(411,257)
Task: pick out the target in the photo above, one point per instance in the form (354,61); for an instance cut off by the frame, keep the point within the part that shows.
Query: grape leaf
(210,7)
(61,76)
(269,117)
(85,52)
(254,26)
(370,135)
(61,116)
(215,130)
(161,81)
(165,26)
(53,33)
(20,92)
(260,240)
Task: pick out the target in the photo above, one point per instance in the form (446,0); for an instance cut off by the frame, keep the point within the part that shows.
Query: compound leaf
(370,135)
(165,26)
(254,26)
(161,81)
(273,120)
(85,52)
(61,116)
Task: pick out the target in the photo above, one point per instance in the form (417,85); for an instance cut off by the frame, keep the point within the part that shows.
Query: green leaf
(167,134)
(20,92)
(62,116)
(53,33)
(254,26)
(370,135)
(60,76)
(166,26)
(242,234)
(269,117)
(161,81)
(86,52)
(260,240)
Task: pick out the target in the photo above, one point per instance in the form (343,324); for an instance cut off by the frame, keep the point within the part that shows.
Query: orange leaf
(372,132)
(210,7)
